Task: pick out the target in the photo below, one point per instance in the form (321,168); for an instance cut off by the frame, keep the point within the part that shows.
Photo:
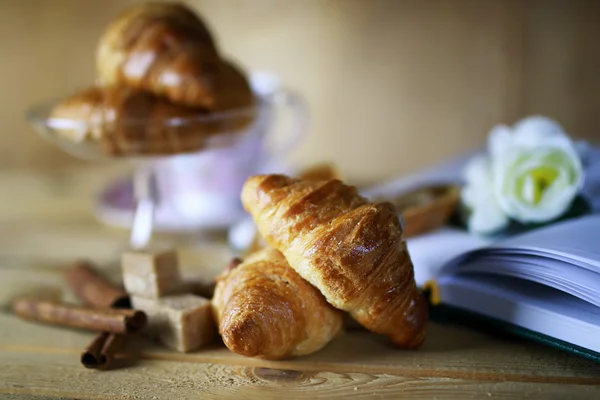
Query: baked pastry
(127,121)
(315,172)
(163,48)
(265,309)
(234,91)
(166,49)
(348,248)
(161,82)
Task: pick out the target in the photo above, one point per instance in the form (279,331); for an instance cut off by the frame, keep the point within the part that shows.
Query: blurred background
(393,85)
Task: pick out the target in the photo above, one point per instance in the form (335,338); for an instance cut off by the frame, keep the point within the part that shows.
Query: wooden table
(46,222)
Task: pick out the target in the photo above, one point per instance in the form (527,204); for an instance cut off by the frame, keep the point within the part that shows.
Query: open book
(546,281)
(543,284)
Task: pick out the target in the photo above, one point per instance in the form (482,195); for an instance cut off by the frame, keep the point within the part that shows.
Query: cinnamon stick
(91,357)
(120,321)
(99,354)
(93,289)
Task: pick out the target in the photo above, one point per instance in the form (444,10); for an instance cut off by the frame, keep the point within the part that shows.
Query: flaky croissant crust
(163,48)
(127,121)
(265,309)
(351,250)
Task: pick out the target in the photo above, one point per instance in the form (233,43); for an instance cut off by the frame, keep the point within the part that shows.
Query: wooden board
(42,362)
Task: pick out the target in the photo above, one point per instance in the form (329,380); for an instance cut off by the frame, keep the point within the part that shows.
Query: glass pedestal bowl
(178,162)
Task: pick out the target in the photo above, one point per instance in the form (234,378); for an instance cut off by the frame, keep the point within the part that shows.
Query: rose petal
(478,197)
(486,218)
(555,199)
(541,212)
(499,141)
(477,170)
(529,190)
(468,196)
(534,131)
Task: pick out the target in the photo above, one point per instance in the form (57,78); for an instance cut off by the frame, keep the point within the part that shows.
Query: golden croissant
(348,248)
(265,309)
(163,48)
(126,122)
(315,172)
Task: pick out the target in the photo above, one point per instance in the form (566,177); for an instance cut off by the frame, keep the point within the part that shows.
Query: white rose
(536,171)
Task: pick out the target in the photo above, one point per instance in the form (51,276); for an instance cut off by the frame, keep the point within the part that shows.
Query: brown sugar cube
(157,320)
(151,273)
(181,322)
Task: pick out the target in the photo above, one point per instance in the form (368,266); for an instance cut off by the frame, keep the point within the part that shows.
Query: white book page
(577,240)
(532,306)
(564,256)
(431,251)
(578,282)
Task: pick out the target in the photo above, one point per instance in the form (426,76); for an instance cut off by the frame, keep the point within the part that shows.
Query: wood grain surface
(42,362)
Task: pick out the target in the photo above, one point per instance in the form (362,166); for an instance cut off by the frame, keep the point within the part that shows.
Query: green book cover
(443,313)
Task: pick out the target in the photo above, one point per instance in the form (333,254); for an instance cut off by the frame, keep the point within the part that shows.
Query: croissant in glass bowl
(125,121)
(163,48)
